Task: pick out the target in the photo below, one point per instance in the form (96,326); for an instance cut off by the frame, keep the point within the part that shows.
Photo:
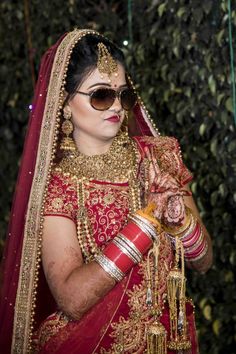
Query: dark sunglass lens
(102,99)
(128,99)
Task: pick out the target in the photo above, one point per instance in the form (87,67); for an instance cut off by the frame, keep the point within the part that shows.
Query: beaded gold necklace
(119,164)
(116,165)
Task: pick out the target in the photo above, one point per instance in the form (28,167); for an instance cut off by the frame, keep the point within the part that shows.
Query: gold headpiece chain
(106,64)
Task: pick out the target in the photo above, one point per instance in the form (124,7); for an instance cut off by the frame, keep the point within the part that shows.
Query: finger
(154,161)
(151,176)
(166,183)
(147,153)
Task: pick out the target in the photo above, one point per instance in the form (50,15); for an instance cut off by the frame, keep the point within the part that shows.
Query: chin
(111,134)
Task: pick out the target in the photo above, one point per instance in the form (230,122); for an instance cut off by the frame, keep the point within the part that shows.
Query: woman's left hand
(165,193)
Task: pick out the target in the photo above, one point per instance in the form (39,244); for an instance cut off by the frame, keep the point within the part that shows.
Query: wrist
(192,237)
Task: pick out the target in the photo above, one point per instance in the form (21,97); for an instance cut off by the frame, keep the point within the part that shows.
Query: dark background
(179,57)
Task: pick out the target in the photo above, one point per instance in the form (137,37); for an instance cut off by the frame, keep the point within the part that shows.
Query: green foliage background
(179,58)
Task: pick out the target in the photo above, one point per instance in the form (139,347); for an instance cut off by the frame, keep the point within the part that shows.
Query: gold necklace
(119,164)
(116,165)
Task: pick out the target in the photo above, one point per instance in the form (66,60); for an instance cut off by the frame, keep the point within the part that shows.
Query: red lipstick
(113,119)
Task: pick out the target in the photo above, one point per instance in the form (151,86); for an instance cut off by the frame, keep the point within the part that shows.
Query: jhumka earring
(106,64)
(67,143)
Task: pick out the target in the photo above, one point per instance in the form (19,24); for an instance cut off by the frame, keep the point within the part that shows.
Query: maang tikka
(67,142)
(106,64)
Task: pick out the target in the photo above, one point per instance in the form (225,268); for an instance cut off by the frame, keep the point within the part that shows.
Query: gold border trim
(30,257)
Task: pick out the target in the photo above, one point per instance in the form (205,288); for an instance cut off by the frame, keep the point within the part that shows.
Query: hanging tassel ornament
(156,338)
(155,331)
(176,299)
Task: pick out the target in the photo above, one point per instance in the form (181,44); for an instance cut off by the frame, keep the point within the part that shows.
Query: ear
(67,111)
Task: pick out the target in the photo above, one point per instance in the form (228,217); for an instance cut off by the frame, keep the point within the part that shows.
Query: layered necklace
(118,165)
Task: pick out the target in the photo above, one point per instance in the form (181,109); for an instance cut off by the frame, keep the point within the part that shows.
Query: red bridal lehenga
(30,319)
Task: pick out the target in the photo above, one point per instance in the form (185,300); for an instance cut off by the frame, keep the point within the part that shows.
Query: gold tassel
(176,299)
(155,331)
(156,338)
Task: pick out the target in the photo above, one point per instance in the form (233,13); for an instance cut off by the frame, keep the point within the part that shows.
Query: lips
(113,119)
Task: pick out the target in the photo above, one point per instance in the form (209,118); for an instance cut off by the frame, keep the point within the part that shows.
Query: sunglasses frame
(117,95)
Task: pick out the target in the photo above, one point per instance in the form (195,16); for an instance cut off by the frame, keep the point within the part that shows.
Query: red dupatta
(21,258)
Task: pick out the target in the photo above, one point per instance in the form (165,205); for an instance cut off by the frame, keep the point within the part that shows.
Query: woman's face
(89,123)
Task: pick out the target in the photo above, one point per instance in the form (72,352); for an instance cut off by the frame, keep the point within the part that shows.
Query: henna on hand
(165,193)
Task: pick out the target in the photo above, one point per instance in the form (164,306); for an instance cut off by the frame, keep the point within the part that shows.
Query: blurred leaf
(181,11)
(229,105)
(219,98)
(216,327)
(219,36)
(212,84)
(207,312)
(213,147)
(202,129)
(229,277)
(223,190)
(161,9)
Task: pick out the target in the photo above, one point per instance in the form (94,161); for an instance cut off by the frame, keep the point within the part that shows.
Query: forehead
(96,77)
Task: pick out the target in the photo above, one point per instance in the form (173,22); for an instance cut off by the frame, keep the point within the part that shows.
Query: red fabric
(83,336)
(12,254)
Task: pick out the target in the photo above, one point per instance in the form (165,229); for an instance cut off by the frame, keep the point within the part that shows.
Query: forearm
(84,287)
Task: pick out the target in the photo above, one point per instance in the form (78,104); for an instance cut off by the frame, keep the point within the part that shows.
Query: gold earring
(67,142)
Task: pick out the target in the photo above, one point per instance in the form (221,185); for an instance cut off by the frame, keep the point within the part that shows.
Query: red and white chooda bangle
(127,248)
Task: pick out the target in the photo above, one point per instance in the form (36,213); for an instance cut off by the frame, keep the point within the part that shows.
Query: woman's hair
(84,60)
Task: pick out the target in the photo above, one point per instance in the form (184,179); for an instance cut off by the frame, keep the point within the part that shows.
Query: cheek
(84,115)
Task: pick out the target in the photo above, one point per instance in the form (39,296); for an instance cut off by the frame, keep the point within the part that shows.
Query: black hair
(84,60)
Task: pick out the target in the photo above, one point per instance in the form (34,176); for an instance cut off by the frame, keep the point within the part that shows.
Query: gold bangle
(147,213)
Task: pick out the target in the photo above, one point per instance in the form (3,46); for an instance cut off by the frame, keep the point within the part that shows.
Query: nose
(116,105)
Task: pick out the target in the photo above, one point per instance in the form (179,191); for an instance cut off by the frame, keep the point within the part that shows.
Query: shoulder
(61,180)
(61,197)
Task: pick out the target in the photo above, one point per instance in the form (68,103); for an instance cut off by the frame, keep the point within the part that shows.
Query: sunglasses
(102,99)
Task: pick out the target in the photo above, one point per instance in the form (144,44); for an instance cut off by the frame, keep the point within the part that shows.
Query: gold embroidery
(130,333)
(108,199)
(50,327)
(57,203)
(61,197)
